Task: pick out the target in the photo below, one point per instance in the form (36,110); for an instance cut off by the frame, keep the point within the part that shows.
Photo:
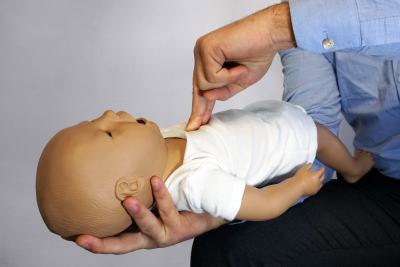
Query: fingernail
(132,208)
(85,246)
(154,184)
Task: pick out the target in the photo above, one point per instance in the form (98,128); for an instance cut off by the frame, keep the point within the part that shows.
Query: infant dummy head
(87,170)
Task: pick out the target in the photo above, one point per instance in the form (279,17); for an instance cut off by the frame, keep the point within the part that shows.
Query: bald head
(75,186)
(86,170)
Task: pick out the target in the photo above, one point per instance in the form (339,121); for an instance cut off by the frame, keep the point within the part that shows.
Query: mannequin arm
(271,201)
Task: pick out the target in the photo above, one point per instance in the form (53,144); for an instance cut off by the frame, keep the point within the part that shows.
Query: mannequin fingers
(308,166)
(320,171)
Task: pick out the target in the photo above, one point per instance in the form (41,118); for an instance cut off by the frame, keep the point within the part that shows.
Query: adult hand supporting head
(170,228)
(230,59)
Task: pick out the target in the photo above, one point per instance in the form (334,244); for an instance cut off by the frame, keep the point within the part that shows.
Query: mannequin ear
(128,186)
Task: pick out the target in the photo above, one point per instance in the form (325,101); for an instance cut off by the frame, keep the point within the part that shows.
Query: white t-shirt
(267,141)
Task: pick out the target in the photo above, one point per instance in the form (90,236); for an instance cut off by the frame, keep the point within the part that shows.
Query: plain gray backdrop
(64,61)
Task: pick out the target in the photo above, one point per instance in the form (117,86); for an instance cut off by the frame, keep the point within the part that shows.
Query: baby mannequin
(87,170)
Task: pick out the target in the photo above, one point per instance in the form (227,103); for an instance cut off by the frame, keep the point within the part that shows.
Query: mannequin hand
(169,229)
(230,59)
(311,180)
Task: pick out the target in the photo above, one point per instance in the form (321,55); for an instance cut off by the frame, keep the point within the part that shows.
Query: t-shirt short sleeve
(209,189)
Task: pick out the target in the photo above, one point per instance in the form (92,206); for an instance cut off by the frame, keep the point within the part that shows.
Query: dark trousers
(342,225)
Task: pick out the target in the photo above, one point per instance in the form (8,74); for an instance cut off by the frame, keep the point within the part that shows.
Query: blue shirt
(359,76)
(351,24)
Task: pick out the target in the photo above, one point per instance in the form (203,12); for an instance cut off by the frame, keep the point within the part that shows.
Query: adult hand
(236,56)
(170,228)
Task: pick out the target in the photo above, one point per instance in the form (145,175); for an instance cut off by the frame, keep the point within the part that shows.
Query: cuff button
(328,43)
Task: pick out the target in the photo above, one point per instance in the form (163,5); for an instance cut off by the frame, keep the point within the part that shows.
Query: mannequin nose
(107,115)
(120,116)
(110,114)
(124,116)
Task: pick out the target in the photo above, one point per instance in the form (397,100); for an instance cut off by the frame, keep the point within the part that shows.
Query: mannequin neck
(176,152)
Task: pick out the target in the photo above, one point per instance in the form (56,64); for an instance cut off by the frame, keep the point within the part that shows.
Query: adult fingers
(119,244)
(209,72)
(201,110)
(179,227)
(146,221)
(224,93)
(165,205)
(208,111)
(200,80)
(127,242)
(201,107)
(203,103)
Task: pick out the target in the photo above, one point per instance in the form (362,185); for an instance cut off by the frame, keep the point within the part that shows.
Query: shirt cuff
(321,26)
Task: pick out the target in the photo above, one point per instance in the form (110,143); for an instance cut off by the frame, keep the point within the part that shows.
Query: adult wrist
(282,35)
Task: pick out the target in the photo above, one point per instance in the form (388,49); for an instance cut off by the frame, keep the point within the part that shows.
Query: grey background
(64,61)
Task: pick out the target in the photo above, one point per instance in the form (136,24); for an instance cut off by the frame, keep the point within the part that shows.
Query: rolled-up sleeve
(324,26)
(310,82)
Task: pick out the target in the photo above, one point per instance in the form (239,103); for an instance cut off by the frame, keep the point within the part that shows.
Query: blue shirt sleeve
(350,25)
(310,82)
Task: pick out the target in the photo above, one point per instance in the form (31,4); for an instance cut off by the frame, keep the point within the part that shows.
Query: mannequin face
(86,170)
(135,146)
